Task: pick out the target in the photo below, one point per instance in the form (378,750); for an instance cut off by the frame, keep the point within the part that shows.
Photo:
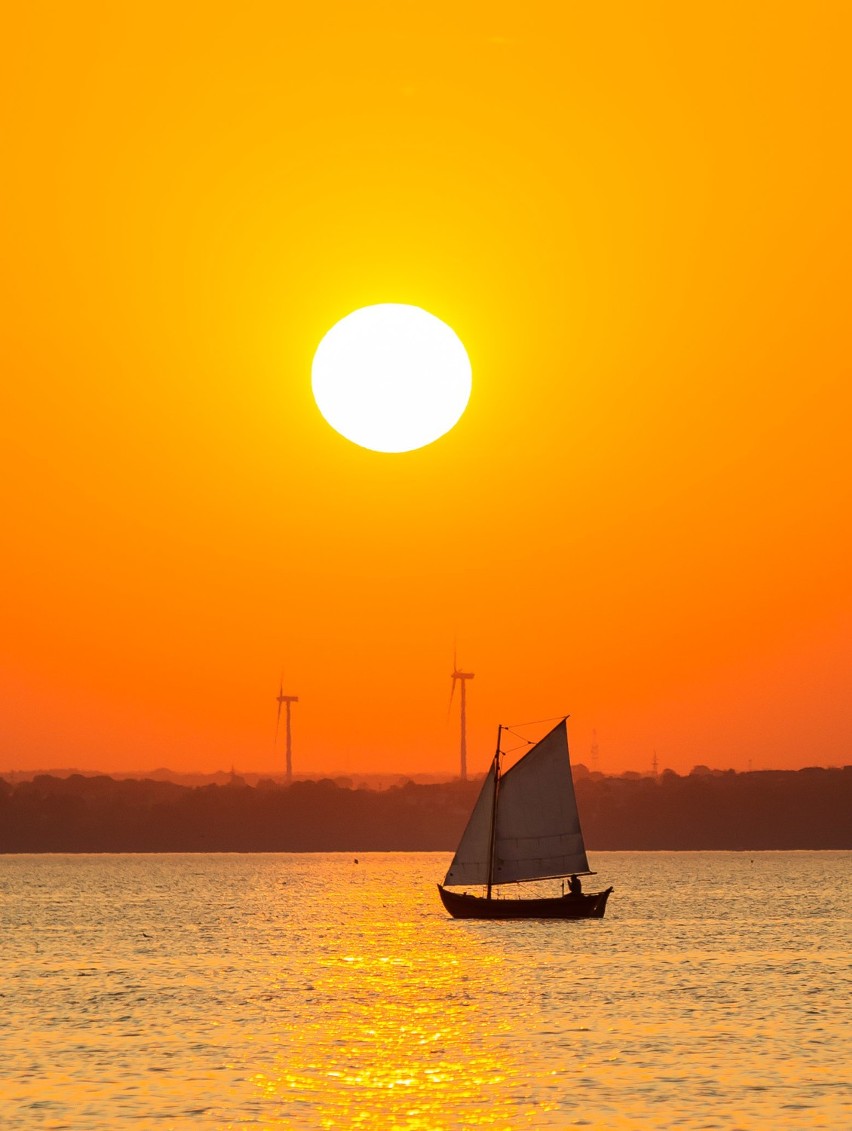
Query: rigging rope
(504,753)
(526,741)
(535,722)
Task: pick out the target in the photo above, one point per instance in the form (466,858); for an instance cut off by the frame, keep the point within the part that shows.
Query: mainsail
(536,829)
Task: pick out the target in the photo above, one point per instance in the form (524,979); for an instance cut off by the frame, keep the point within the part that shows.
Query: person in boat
(574,886)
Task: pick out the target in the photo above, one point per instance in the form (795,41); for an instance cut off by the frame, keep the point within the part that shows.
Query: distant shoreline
(760,811)
(355,779)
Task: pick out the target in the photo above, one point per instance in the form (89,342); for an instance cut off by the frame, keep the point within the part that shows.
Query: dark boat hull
(591,906)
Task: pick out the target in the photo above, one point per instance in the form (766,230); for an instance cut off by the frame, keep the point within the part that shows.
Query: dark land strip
(773,809)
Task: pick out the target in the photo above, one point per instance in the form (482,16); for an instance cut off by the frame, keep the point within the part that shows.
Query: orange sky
(636,218)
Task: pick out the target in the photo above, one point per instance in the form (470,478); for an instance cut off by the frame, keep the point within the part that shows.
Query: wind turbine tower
(462,678)
(284,701)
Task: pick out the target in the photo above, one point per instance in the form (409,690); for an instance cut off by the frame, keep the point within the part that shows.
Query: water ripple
(307,992)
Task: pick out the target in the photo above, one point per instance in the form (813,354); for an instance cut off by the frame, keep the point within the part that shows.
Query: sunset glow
(636,221)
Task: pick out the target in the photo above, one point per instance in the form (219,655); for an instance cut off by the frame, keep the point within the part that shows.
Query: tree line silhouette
(772,809)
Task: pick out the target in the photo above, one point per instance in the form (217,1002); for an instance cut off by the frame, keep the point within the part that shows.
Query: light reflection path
(423,1029)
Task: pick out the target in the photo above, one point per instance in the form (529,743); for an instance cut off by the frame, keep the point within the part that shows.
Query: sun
(391,377)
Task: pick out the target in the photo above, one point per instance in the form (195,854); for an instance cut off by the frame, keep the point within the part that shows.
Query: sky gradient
(637,220)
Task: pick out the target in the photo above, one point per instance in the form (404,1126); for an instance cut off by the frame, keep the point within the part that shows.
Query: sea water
(325,991)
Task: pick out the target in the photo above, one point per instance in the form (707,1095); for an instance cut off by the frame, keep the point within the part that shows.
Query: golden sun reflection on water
(403,1046)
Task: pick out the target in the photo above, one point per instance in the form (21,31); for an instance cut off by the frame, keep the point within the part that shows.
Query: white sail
(470,863)
(537,832)
(538,829)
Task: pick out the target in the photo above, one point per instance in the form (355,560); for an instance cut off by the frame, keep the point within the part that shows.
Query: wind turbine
(462,678)
(285,700)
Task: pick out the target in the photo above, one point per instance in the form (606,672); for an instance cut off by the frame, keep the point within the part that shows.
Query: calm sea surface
(311,991)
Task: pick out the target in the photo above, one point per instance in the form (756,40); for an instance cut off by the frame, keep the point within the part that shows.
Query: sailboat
(524,826)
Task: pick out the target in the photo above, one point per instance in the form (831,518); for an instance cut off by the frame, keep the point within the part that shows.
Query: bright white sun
(391,377)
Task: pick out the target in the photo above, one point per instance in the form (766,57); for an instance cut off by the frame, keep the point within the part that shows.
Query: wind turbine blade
(280,705)
(452,693)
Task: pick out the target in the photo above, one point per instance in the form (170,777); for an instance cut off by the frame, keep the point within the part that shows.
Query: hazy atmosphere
(635,218)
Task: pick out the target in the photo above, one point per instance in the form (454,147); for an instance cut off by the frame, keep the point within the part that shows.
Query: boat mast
(493,812)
